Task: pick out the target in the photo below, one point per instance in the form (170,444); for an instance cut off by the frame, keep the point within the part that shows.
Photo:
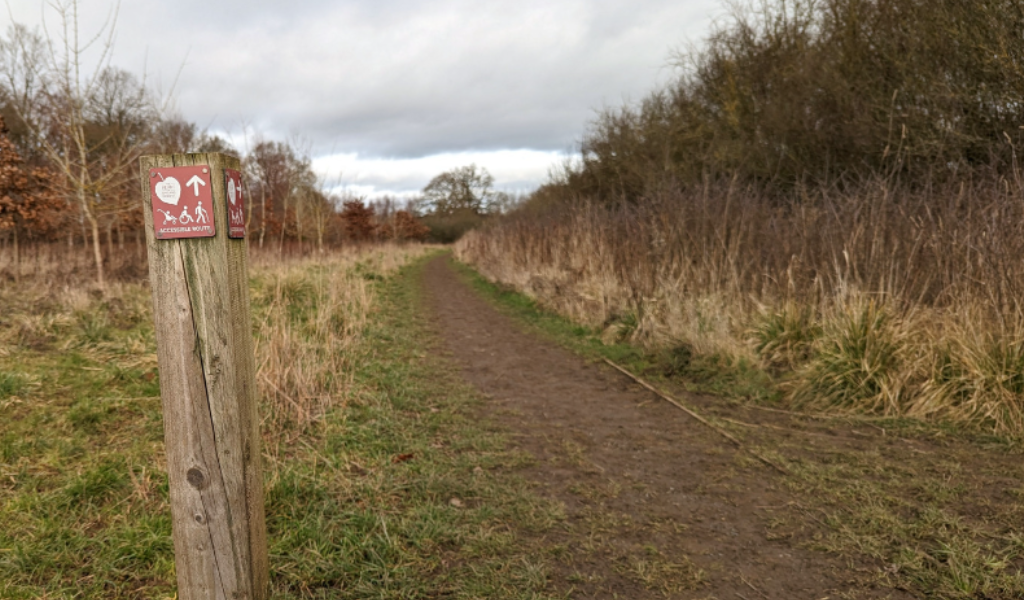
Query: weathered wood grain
(207,386)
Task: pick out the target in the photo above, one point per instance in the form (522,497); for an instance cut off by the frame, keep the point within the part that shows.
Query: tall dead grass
(60,265)
(309,314)
(876,299)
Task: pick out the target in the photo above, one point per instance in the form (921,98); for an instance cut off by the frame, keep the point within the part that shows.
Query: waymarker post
(195,227)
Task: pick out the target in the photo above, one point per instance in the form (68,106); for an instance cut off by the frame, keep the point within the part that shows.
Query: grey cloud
(401,78)
(406,78)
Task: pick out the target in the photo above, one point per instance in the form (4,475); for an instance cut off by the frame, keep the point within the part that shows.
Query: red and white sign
(182,201)
(235,203)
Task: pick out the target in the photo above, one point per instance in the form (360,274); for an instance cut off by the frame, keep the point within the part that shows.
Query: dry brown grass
(878,300)
(58,264)
(309,312)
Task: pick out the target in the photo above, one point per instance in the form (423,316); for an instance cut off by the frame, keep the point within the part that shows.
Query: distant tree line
(459,200)
(800,93)
(71,136)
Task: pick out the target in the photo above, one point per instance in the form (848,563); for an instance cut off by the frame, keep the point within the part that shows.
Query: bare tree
(281,181)
(319,209)
(266,173)
(90,124)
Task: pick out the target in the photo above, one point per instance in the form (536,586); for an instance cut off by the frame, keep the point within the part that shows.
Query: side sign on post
(182,201)
(235,203)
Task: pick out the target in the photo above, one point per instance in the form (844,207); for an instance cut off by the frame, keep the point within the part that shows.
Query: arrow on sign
(195,182)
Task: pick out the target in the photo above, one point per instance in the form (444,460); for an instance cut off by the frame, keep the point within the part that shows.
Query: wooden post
(208,390)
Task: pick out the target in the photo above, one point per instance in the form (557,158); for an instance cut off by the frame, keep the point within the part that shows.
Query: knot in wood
(195,478)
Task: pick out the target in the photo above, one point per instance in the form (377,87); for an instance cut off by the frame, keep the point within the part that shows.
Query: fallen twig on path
(800,431)
(697,416)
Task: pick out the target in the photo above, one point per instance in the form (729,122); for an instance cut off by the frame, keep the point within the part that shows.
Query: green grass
(12,384)
(936,528)
(83,494)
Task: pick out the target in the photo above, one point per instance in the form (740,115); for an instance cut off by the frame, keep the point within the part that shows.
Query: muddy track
(655,503)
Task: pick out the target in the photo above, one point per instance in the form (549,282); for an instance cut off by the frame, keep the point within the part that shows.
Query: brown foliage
(408,227)
(358,221)
(932,248)
(269,169)
(30,207)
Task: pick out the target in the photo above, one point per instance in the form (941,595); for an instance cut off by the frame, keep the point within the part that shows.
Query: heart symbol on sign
(231,191)
(168,191)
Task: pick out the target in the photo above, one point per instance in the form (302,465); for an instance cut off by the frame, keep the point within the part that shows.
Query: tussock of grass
(783,338)
(855,363)
(12,384)
(977,377)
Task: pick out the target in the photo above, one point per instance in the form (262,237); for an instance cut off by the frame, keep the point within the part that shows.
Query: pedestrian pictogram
(181,212)
(235,203)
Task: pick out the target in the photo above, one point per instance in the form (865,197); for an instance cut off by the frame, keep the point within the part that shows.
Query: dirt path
(655,503)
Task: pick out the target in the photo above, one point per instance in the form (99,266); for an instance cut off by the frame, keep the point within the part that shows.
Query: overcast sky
(386,94)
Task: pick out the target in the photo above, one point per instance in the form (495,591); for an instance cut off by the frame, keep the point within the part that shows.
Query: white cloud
(513,170)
